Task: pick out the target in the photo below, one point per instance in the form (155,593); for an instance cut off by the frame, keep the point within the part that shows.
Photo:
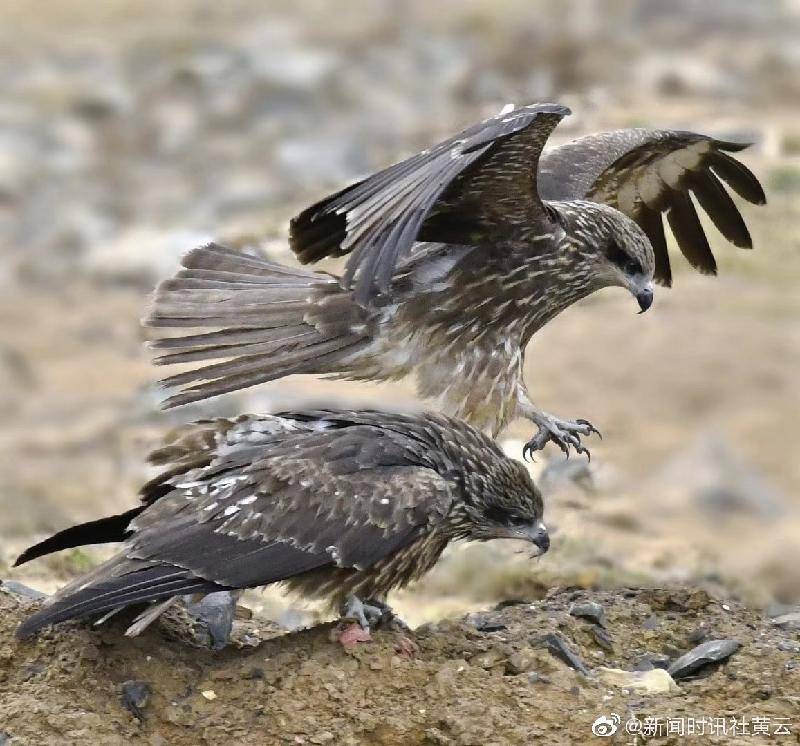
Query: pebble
(603,639)
(788,621)
(711,652)
(209,694)
(654,681)
(216,613)
(558,648)
(483,623)
(136,696)
(651,623)
(19,589)
(589,610)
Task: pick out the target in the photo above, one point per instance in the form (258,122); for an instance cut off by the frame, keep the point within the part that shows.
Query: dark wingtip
(732,147)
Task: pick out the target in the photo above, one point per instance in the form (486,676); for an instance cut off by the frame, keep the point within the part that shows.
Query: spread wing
(464,190)
(645,173)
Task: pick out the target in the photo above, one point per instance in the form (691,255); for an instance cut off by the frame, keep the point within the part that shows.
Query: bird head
(509,508)
(612,249)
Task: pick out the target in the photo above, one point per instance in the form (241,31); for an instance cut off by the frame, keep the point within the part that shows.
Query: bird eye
(623,260)
(516,520)
(632,267)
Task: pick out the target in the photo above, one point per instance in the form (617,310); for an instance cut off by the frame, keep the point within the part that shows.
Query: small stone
(709,653)
(209,694)
(537,678)
(215,612)
(788,621)
(324,736)
(589,610)
(650,661)
(136,696)
(483,623)
(603,639)
(697,635)
(490,658)
(20,589)
(654,681)
(520,662)
(558,648)
(651,623)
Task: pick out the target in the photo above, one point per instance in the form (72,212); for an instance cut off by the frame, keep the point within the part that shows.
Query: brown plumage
(334,504)
(457,256)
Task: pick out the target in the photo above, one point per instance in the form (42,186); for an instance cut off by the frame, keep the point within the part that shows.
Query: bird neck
(556,282)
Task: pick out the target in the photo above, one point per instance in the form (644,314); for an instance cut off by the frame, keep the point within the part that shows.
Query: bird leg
(565,434)
(360,617)
(367,613)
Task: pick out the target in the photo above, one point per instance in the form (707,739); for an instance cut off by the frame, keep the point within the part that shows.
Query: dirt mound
(497,677)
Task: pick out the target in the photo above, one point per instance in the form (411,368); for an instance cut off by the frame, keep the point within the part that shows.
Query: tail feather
(313,362)
(266,321)
(101,531)
(139,584)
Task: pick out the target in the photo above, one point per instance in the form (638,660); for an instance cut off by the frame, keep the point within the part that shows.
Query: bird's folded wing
(484,176)
(345,498)
(645,173)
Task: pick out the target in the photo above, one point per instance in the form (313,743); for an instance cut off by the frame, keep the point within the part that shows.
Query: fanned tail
(269,321)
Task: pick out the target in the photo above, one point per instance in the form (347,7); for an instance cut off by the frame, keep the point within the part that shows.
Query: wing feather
(642,172)
(489,165)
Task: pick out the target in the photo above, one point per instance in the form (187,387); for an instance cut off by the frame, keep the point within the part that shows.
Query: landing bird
(458,256)
(343,506)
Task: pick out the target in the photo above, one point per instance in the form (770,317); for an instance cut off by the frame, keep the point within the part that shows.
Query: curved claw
(591,427)
(566,434)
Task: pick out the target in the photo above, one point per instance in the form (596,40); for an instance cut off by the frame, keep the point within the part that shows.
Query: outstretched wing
(467,188)
(645,173)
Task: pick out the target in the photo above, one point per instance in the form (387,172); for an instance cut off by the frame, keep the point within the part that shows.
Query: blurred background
(132,131)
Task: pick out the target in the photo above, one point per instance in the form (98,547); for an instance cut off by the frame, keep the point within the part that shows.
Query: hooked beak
(538,535)
(645,298)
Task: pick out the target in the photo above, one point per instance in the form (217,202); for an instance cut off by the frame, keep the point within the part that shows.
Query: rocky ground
(531,671)
(133,131)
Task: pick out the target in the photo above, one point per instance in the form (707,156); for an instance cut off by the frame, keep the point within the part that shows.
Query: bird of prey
(343,506)
(457,256)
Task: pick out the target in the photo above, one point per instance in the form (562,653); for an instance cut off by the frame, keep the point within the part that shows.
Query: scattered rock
(601,636)
(651,623)
(484,623)
(654,681)
(216,613)
(521,662)
(558,648)
(589,610)
(709,653)
(652,660)
(788,621)
(19,589)
(136,696)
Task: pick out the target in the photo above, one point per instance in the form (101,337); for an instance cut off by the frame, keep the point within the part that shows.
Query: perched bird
(343,506)
(458,256)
